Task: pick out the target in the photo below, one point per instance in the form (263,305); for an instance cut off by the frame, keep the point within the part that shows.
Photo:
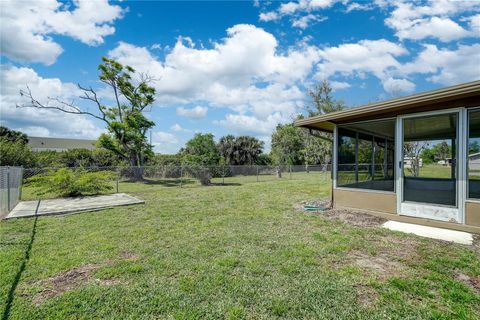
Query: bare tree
(126,124)
(413,150)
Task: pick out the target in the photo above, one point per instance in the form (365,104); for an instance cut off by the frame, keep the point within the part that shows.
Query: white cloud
(474,23)
(34,131)
(197,112)
(27,26)
(244,124)
(40,122)
(359,6)
(165,143)
(432,20)
(302,12)
(176,127)
(305,5)
(377,57)
(446,66)
(305,21)
(397,87)
(269,16)
(161,137)
(244,72)
(338,85)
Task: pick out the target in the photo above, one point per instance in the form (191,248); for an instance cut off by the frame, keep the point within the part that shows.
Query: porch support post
(356,157)
(454,159)
(373,158)
(385,162)
(398,165)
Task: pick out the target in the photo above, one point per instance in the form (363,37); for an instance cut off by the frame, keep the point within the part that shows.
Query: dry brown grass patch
(471,282)
(76,278)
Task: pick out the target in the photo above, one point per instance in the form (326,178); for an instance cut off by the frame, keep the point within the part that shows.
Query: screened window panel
(429,159)
(473,160)
(366,155)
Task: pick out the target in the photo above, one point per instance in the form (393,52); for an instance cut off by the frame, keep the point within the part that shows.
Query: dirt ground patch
(382,265)
(64,281)
(354,218)
(366,296)
(351,217)
(472,282)
(130,256)
(76,278)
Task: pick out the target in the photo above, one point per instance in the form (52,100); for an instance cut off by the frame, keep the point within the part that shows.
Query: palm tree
(226,146)
(248,148)
(243,150)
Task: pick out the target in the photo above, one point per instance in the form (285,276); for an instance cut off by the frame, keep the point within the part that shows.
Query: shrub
(199,172)
(47,159)
(15,153)
(76,158)
(69,183)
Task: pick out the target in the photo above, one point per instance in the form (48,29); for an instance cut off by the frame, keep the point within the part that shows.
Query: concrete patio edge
(42,206)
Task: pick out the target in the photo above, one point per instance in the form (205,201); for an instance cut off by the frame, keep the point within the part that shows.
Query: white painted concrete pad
(26,209)
(431,232)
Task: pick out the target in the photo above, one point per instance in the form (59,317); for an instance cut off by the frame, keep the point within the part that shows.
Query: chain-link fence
(122,179)
(10,188)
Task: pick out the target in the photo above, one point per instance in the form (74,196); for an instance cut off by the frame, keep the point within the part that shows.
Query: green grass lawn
(239,251)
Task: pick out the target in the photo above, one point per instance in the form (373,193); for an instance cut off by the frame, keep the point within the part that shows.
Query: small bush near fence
(69,183)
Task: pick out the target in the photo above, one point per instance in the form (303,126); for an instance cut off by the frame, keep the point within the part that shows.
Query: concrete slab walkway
(431,232)
(26,209)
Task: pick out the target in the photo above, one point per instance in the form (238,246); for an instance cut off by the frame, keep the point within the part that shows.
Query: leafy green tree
(323,102)
(12,135)
(316,148)
(249,148)
(243,150)
(201,149)
(227,146)
(442,150)
(80,157)
(76,158)
(15,153)
(264,159)
(126,124)
(287,145)
(474,147)
(428,156)
(48,159)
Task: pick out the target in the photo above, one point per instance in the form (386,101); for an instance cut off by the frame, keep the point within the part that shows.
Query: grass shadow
(170,182)
(226,184)
(18,276)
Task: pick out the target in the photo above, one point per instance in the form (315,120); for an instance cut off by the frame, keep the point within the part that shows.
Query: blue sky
(238,67)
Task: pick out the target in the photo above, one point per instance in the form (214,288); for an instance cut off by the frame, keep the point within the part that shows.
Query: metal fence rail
(10,188)
(174,175)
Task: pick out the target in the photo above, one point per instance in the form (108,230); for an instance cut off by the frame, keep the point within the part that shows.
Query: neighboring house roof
(474,156)
(59,144)
(466,95)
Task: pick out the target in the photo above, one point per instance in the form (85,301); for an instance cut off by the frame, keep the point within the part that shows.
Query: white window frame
(467,137)
(419,209)
(335,160)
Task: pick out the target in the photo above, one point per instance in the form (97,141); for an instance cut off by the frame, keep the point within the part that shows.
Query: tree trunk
(279,171)
(137,170)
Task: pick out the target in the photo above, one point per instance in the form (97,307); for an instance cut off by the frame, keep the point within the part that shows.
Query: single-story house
(474,162)
(371,143)
(59,144)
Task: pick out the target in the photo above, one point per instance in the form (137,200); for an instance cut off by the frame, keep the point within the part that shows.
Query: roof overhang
(463,95)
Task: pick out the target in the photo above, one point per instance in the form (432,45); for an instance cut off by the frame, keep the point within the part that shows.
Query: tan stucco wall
(366,200)
(472,213)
